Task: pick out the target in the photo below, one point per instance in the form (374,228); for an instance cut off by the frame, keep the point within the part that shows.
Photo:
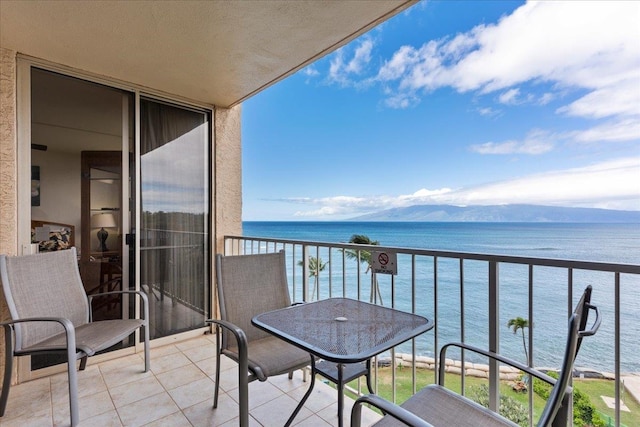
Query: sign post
(384,262)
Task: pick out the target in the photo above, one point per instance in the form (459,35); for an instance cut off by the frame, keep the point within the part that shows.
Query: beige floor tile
(33,397)
(201,352)
(234,423)
(312,421)
(169,362)
(208,366)
(193,393)
(163,351)
(321,396)
(174,420)
(228,379)
(276,412)
(124,375)
(203,414)
(90,406)
(118,393)
(180,376)
(137,390)
(90,381)
(285,384)
(147,410)
(108,419)
(37,418)
(135,360)
(192,343)
(259,393)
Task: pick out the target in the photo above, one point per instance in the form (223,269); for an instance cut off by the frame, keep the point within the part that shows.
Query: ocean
(612,243)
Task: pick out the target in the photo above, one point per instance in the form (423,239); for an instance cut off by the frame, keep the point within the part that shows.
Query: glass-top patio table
(343,333)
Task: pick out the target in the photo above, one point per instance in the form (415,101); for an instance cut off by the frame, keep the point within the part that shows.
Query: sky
(455,102)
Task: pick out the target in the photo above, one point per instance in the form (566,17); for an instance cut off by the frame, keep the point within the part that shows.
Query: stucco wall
(227,174)
(227,171)
(8,198)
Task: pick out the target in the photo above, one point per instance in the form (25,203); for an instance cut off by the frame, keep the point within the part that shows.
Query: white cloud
(310,71)
(616,130)
(488,111)
(173,175)
(342,69)
(589,48)
(509,97)
(536,142)
(613,185)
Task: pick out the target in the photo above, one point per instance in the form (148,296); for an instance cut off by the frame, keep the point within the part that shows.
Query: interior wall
(59,188)
(71,115)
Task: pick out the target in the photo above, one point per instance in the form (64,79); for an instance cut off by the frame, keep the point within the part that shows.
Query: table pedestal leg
(306,395)
(340,394)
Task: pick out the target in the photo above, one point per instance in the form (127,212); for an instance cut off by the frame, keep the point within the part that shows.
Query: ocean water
(612,243)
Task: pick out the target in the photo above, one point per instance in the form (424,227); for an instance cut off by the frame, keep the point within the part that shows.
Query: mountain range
(501,213)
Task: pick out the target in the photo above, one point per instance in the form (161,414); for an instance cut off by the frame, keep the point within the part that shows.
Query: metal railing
(471,296)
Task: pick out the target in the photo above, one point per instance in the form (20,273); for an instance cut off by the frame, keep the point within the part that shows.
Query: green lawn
(592,387)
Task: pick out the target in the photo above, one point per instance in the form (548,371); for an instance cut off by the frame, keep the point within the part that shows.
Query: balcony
(472,297)
(178,391)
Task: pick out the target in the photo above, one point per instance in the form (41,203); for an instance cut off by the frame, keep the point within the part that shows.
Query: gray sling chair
(437,406)
(51,313)
(249,285)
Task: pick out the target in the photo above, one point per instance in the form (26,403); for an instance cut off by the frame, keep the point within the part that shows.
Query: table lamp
(102,221)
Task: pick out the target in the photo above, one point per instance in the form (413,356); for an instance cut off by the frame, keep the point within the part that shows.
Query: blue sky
(452,102)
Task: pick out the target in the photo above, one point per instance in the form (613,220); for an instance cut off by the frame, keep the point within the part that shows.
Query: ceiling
(216,52)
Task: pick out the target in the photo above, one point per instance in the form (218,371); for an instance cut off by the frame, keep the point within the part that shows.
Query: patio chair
(437,406)
(249,285)
(51,314)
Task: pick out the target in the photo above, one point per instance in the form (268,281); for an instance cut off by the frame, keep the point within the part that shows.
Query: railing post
(494,334)
(305,273)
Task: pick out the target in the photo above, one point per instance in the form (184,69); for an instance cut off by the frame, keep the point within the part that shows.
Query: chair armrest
(544,377)
(241,337)
(69,329)
(143,296)
(387,408)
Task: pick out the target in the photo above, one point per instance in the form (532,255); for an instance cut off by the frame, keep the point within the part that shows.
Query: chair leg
(243,384)
(83,363)
(369,385)
(73,386)
(290,375)
(8,367)
(215,394)
(147,355)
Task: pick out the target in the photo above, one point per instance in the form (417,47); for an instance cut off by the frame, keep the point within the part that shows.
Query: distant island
(501,213)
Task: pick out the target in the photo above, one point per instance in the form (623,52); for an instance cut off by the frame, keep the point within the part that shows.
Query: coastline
(630,381)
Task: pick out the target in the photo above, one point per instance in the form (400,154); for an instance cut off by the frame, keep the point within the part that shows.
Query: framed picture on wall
(35,185)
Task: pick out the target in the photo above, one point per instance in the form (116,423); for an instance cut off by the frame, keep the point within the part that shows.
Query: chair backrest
(43,285)
(249,285)
(561,392)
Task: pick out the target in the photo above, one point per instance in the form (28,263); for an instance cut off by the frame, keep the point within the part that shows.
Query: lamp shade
(103,220)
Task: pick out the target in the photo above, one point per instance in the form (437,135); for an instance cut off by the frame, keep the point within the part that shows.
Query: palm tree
(516,324)
(365,256)
(315,267)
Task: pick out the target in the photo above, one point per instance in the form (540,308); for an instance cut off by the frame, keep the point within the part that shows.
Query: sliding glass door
(174,215)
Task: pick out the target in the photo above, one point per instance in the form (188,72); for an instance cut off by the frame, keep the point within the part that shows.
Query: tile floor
(178,391)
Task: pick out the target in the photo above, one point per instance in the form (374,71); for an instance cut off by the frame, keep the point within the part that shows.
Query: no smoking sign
(384,262)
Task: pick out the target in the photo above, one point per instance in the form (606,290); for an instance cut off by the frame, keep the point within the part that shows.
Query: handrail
(438,261)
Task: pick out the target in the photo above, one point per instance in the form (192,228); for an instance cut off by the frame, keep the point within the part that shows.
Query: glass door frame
(24,65)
